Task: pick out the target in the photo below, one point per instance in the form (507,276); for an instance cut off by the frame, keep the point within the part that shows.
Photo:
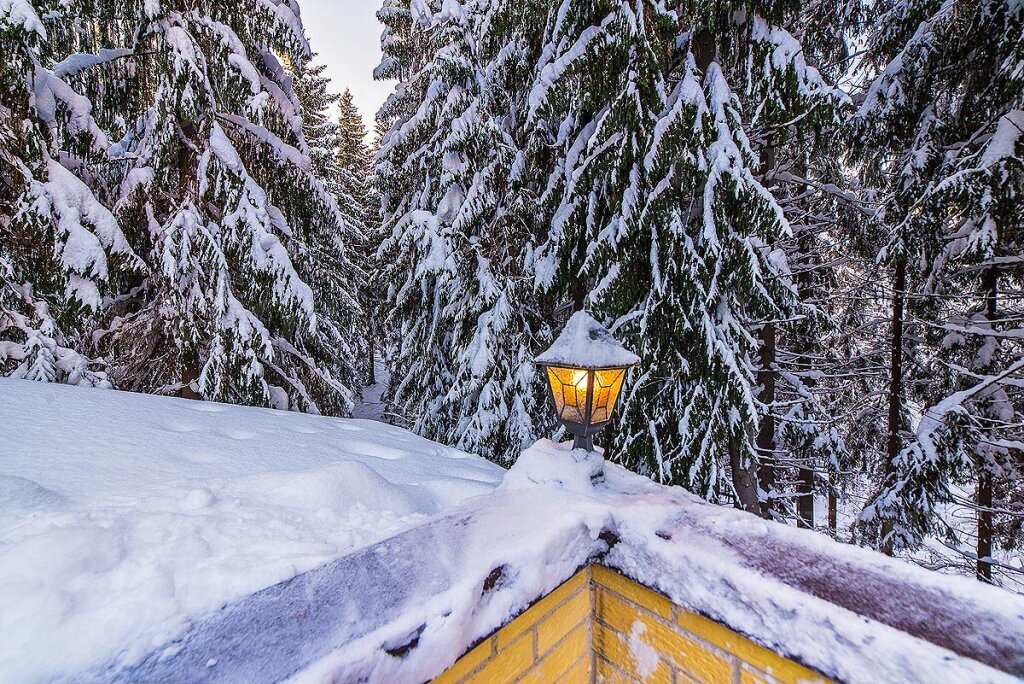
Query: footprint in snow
(181,427)
(375,450)
(239,435)
(207,407)
(303,430)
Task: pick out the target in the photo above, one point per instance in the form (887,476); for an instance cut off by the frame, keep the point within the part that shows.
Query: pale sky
(346,36)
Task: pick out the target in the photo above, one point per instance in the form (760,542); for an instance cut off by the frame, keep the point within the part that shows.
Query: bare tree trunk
(703,49)
(744,477)
(766,431)
(833,506)
(805,502)
(985,522)
(805,482)
(895,423)
(985,526)
(371,352)
(767,356)
(189,377)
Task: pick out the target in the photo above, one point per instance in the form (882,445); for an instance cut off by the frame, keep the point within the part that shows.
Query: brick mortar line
(492,638)
(734,659)
(592,589)
(483,663)
(615,667)
(738,677)
(572,665)
(531,630)
(674,624)
(576,592)
(670,664)
(591,584)
(678,675)
(675,627)
(540,658)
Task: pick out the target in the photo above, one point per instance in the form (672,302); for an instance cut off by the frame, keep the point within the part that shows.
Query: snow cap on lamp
(586,367)
(585,343)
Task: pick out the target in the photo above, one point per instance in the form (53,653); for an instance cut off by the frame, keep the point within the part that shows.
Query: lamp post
(585,367)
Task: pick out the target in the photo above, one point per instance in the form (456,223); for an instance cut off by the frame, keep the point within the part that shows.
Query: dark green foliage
(182,146)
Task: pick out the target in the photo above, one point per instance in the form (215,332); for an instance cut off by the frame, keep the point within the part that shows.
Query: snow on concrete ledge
(585,343)
(405,609)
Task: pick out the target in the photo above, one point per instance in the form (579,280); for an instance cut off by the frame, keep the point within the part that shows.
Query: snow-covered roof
(404,609)
(585,343)
(123,516)
(159,539)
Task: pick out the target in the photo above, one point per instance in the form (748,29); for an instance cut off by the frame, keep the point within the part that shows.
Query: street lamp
(586,367)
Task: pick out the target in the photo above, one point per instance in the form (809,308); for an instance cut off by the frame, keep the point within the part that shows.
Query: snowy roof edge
(405,609)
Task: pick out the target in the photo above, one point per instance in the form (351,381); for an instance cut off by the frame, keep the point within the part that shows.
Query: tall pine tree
(943,119)
(461,228)
(663,222)
(59,245)
(354,159)
(426,50)
(244,296)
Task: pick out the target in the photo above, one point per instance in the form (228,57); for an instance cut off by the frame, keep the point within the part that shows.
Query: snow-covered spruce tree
(322,134)
(464,318)
(662,214)
(946,116)
(345,178)
(500,322)
(427,53)
(58,244)
(337,149)
(353,154)
(245,297)
(355,161)
(798,443)
(601,85)
(374,291)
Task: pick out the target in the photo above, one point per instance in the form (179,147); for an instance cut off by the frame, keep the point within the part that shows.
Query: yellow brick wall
(548,643)
(602,627)
(641,636)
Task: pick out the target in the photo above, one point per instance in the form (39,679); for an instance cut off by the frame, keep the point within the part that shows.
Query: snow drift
(149,539)
(124,515)
(403,610)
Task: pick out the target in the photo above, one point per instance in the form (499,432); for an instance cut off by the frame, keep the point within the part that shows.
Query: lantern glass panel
(607,384)
(569,390)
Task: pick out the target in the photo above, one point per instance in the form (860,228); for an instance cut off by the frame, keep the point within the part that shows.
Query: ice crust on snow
(586,343)
(123,516)
(405,609)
